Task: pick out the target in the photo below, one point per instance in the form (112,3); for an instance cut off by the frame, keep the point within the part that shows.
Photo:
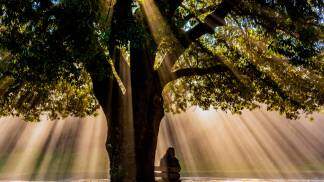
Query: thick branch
(216,18)
(208,26)
(99,71)
(213,20)
(201,71)
(198,31)
(186,38)
(168,7)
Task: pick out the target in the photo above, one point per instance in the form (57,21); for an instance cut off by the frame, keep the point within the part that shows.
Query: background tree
(138,59)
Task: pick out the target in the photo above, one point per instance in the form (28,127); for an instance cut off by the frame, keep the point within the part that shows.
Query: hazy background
(257,144)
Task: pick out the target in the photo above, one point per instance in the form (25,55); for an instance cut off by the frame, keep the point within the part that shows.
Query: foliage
(45,45)
(273,52)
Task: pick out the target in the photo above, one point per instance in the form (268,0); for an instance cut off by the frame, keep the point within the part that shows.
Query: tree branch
(198,31)
(201,71)
(100,71)
(213,20)
(216,18)
(168,7)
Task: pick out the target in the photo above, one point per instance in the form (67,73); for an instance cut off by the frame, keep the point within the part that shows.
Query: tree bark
(120,141)
(148,112)
(117,108)
(142,113)
(134,118)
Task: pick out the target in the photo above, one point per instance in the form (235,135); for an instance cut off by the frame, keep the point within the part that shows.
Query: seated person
(170,166)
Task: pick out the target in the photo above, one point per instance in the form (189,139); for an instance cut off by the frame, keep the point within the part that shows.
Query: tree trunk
(148,112)
(118,111)
(137,113)
(120,141)
(146,133)
(134,118)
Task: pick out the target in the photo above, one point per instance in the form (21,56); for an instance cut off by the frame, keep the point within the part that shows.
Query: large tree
(140,59)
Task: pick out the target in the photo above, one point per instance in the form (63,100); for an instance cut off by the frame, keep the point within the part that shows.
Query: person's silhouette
(170,166)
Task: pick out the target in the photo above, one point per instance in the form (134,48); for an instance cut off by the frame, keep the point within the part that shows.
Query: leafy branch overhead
(220,54)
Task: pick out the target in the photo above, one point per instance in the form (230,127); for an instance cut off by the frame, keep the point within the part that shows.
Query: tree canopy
(234,54)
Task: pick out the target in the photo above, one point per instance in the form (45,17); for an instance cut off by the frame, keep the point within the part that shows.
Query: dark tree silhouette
(140,59)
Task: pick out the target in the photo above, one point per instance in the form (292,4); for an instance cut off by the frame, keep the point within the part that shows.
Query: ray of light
(48,150)
(169,48)
(49,154)
(89,147)
(257,144)
(32,148)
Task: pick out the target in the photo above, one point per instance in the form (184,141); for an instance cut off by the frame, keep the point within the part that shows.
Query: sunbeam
(256,144)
